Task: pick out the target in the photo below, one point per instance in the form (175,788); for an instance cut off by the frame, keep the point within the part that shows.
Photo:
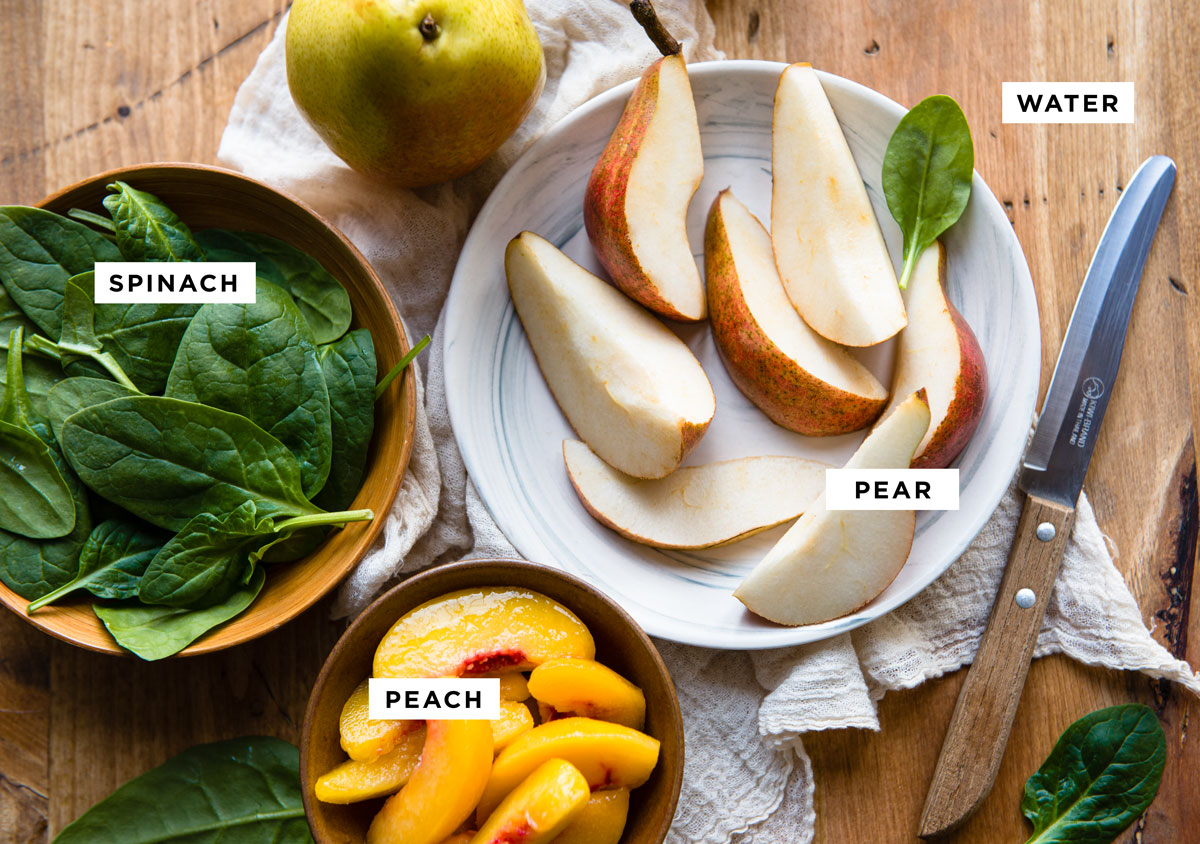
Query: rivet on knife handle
(988,701)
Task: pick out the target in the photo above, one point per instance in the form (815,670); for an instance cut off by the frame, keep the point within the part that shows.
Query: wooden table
(93,84)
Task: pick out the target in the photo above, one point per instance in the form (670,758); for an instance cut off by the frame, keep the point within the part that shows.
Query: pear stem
(643,13)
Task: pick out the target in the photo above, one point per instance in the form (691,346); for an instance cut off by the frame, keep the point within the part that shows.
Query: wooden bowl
(620,644)
(210,197)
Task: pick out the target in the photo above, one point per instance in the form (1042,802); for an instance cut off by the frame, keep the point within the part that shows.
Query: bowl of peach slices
(588,748)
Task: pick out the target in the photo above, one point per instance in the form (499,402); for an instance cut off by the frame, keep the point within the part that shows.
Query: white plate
(510,430)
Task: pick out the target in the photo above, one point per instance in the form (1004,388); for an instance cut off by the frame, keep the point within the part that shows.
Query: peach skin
(446,785)
(608,756)
(585,687)
(474,632)
(539,808)
(353,781)
(601,821)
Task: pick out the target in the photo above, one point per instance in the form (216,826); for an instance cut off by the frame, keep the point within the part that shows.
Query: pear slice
(798,378)
(630,388)
(938,351)
(831,562)
(635,206)
(696,506)
(828,246)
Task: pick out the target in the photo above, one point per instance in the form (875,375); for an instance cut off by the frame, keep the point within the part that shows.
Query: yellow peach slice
(585,687)
(608,756)
(513,686)
(460,838)
(601,821)
(365,739)
(446,785)
(474,632)
(538,808)
(353,781)
(515,719)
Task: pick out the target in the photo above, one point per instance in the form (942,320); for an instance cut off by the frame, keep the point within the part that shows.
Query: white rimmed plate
(510,430)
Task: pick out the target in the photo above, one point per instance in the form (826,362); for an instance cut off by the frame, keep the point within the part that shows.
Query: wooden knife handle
(988,700)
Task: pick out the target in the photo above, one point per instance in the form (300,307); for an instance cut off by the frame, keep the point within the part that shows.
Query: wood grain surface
(92,84)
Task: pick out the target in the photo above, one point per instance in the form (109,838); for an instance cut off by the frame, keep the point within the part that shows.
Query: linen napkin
(747,778)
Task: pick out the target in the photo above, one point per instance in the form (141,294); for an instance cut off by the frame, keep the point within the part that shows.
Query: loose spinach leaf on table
(240,791)
(146,229)
(1101,775)
(158,632)
(319,296)
(36,502)
(111,562)
(207,560)
(39,251)
(927,171)
(71,395)
(259,360)
(349,367)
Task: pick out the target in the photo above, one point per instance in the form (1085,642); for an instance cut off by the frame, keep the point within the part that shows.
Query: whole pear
(413,91)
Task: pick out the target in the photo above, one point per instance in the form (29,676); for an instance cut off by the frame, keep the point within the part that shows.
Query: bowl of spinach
(183,478)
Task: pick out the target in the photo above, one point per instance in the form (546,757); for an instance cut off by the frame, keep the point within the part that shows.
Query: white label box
(891,489)
(1066,102)
(454,698)
(174,282)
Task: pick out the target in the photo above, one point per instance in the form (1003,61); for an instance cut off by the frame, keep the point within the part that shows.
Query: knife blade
(1052,474)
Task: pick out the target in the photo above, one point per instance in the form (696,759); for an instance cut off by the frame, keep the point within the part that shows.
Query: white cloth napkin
(747,777)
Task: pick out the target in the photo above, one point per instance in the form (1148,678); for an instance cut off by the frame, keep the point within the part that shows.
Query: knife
(1052,473)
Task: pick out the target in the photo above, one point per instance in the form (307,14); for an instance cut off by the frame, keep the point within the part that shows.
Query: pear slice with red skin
(695,506)
(938,351)
(831,562)
(828,247)
(635,205)
(802,381)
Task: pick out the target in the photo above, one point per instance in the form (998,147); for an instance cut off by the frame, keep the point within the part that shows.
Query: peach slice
(513,686)
(608,756)
(515,719)
(353,781)
(539,808)
(601,821)
(474,632)
(446,785)
(365,739)
(460,837)
(585,687)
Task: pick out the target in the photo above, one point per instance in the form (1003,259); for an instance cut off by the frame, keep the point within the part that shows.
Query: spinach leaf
(1102,773)
(99,221)
(349,368)
(240,791)
(146,229)
(207,560)
(158,632)
(12,316)
(259,360)
(319,296)
(39,251)
(78,336)
(165,460)
(40,373)
(111,562)
(74,394)
(37,502)
(927,171)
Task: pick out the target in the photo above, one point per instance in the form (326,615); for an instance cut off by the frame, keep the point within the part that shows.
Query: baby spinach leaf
(39,251)
(165,460)
(74,394)
(78,336)
(349,368)
(240,791)
(319,296)
(927,172)
(259,360)
(41,374)
(207,560)
(12,317)
(37,502)
(1102,773)
(158,632)
(146,229)
(111,562)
